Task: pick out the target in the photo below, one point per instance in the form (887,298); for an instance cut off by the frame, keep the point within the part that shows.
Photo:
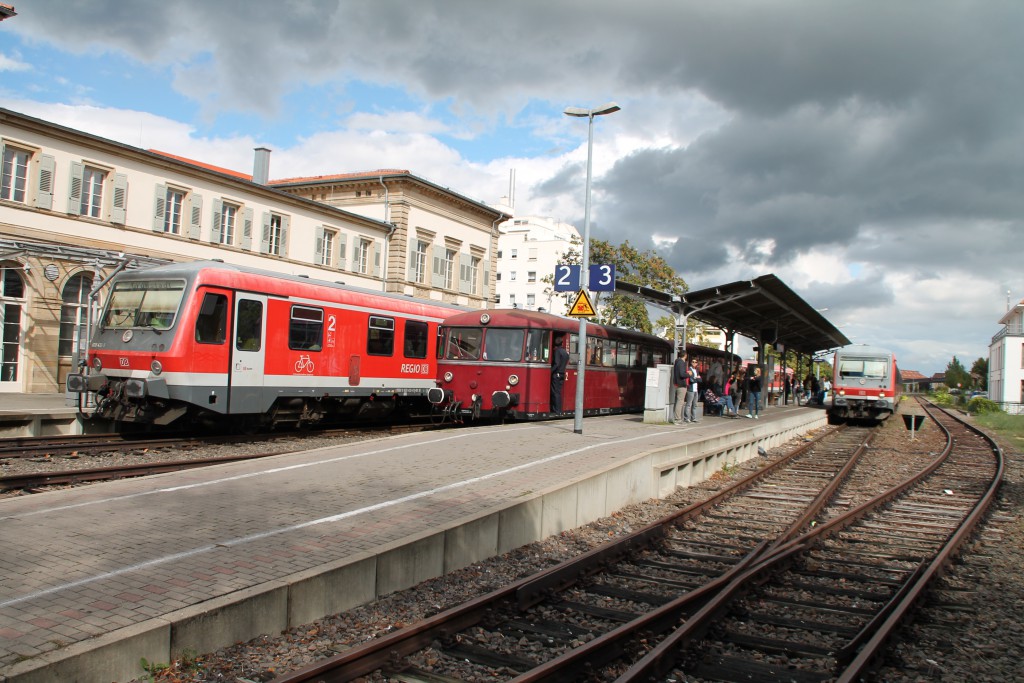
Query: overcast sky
(870,154)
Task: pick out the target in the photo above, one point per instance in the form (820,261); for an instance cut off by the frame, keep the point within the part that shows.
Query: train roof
(192,269)
(863,351)
(516,317)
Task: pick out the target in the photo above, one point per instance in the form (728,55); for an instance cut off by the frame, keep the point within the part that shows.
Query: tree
(646,269)
(979,371)
(956,375)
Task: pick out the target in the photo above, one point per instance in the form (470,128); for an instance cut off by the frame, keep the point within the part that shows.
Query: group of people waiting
(730,392)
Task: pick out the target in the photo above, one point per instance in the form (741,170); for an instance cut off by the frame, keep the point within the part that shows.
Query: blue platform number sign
(567,278)
(602,278)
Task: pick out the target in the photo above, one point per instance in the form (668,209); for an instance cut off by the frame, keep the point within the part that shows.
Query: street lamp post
(581,365)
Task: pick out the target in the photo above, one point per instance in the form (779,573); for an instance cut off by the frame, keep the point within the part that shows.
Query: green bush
(942,398)
(980,405)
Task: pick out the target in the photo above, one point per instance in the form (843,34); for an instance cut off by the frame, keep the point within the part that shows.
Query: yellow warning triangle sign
(582,305)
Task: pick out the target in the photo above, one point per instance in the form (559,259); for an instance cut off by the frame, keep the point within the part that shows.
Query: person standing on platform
(754,395)
(679,382)
(692,392)
(559,363)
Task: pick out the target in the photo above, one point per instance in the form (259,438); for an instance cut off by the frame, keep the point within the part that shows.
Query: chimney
(261,166)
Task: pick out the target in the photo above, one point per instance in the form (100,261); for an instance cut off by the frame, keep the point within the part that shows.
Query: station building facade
(1006,361)
(75,207)
(529,248)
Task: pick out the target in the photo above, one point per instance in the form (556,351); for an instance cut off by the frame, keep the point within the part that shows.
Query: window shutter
(265,235)
(318,245)
(247,228)
(159,208)
(465,285)
(376,258)
(196,202)
(285,220)
(218,204)
(411,271)
(44,184)
(75,188)
(341,250)
(487,276)
(119,206)
(437,272)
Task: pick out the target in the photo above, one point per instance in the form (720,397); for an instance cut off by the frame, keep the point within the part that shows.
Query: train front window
(463,343)
(504,345)
(143,303)
(871,369)
(537,346)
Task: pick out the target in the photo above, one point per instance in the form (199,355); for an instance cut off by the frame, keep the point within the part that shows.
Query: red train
(866,384)
(207,342)
(497,364)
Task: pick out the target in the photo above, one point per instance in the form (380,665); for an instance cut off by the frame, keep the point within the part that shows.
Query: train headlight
(448,376)
(513,379)
(842,392)
(881,394)
(485,318)
(157,367)
(97,364)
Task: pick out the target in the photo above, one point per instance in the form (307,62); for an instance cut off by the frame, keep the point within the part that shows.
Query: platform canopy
(763,309)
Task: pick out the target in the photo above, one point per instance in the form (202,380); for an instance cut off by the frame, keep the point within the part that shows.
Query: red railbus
(497,363)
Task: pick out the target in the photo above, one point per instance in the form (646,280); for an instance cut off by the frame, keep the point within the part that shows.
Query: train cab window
(503,344)
(249,326)
(537,348)
(416,335)
(212,321)
(306,329)
(380,338)
(463,343)
(874,369)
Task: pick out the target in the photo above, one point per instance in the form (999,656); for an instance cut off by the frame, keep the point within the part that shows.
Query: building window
(531,276)
(327,253)
(92,192)
(515,253)
(474,273)
(228,216)
(419,262)
(497,298)
(12,300)
(531,299)
(15,174)
(533,253)
(512,275)
(175,200)
(448,267)
(512,300)
(73,314)
(499,253)
(276,235)
(363,253)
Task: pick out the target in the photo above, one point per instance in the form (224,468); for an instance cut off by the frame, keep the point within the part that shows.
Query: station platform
(37,415)
(95,578)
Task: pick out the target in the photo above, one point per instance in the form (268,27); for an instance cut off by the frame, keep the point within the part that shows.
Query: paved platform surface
(47,404)
(83,564)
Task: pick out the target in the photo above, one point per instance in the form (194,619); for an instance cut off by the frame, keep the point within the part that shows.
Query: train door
(571,374)
(246,377)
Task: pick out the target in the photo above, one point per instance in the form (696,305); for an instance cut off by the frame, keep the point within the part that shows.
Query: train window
(380,340)
(416,334)
(537,346)
(212,321)
(306,329)
(503,344)
(574,349)
(608,353)
(595,348)
(141,303)
(463,343)
(249,326)
(875,369)
(622,357)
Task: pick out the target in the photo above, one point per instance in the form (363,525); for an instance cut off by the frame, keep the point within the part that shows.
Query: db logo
(123,362)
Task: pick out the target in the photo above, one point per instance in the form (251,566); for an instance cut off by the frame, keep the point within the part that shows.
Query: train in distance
(866,385)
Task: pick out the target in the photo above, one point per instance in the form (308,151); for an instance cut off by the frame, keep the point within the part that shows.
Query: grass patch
(1010,427)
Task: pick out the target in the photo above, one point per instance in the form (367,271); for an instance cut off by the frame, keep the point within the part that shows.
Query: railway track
(146,455)
(798,572)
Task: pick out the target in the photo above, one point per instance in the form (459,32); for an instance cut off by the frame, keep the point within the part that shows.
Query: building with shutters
(74,207)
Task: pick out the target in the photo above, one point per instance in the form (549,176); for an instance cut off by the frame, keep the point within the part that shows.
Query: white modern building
(529,248)
(1006,361)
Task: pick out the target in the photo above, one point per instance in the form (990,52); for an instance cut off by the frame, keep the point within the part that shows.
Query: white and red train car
(497,364)
(866,384)
(212,343)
